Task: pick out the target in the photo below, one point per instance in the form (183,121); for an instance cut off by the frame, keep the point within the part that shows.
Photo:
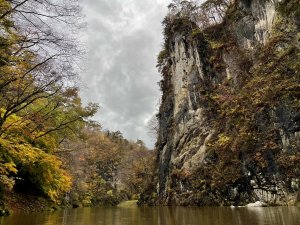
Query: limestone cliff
(229,120)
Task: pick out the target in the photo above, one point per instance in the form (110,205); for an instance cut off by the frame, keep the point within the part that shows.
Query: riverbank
(129,203)
(15,202)
(25,202)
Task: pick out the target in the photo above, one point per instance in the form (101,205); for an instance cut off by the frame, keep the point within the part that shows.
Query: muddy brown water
(133,215)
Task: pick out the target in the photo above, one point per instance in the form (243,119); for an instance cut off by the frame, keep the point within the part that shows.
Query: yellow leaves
(223,140)
(56,184)
(7,168)
(216,44)
(14,123)
(24,153)
(44,170)
(110,193)
(48,143)
(53,194)
(10,167)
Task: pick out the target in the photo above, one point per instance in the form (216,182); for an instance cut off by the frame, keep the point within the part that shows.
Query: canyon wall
(229,120)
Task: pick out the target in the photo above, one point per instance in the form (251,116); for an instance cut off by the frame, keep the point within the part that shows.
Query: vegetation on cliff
(252,109)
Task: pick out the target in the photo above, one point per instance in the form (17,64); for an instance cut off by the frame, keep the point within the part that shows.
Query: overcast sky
(123,38)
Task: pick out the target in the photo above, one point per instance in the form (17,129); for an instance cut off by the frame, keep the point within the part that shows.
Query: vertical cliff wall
(229,117)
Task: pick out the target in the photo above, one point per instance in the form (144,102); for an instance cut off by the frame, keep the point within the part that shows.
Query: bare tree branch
(13,9)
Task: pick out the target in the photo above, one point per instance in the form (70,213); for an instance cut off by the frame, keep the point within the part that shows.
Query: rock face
(229,118)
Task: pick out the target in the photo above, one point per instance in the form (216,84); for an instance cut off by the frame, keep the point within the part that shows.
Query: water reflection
(161,216)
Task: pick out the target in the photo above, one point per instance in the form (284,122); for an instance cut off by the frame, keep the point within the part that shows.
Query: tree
(152,127)
(38,59)
(215,10)
(40,22)
(204,14)
(39,104)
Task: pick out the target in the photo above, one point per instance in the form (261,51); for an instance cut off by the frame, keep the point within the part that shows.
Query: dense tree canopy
(39,104)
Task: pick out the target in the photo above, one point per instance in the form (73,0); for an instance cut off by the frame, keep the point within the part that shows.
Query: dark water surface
(133,215)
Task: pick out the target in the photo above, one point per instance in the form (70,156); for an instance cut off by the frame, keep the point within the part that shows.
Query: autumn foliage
(47,141)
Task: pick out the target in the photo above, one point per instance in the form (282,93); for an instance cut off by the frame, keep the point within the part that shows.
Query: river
(133,215)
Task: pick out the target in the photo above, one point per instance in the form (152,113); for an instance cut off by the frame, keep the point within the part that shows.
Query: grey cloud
(123,40)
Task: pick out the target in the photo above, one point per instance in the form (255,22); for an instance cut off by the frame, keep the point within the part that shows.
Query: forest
(52,154)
